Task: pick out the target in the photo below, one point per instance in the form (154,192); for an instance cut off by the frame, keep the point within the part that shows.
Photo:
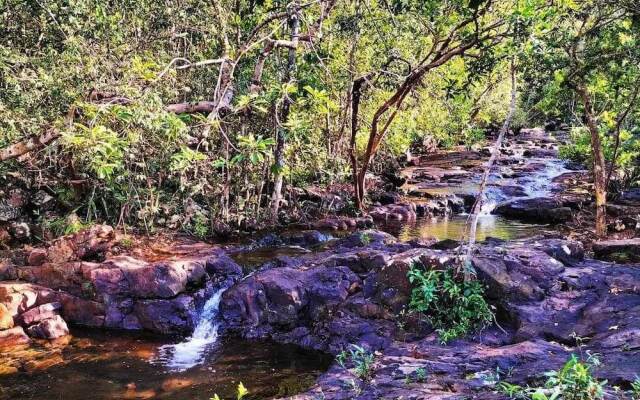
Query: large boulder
(540,210)
(622,250)
(125,275)
(285,297)
(166,315)
(50,328)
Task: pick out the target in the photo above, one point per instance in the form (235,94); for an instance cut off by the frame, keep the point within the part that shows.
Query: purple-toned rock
(221,265)
(392,284)
(286,297)
(394,212)
(8,270)
(39,313)
(128,276)
(37,257)
(51,328)
(166,315)
(540,210)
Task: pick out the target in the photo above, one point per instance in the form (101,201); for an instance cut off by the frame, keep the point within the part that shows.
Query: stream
(104,365)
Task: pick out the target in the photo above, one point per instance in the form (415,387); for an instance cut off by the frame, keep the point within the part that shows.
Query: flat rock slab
(540,210)
(13,337)
(50,328)
(545,293)
(621,251)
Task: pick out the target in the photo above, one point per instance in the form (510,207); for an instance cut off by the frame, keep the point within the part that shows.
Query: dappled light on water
(453,227)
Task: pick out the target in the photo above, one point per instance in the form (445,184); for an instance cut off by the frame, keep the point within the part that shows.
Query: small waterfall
(191,352)
(492,198)
(542,182)
(487,207)
(538,184)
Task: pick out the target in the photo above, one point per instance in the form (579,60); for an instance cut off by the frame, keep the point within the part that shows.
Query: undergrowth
(361,359)
(454,307)
(574,381)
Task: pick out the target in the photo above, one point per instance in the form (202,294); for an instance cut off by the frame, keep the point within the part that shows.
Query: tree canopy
(217,111)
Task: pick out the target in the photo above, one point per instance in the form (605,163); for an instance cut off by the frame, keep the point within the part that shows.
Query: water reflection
(250,259)
(453,227)
(106,366)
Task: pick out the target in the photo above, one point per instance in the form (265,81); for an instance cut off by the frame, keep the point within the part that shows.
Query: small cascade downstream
(539,184)
(192,351)
(527,171)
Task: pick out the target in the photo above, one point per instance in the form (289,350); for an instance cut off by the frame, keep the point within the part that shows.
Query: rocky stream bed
(181,319)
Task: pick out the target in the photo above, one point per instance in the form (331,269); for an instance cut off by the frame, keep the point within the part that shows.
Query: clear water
(538,183)
(99,365)
(453,228)
(250,259)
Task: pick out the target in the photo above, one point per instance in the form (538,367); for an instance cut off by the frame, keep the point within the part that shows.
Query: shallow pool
(114,365)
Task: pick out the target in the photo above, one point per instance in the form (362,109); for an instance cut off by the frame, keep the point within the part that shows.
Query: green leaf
(242,391)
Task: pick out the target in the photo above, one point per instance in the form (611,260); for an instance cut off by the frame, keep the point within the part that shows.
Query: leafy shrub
(579,148)
(473,136)
(452,306)
(574,381)
(64,225)
(361,359)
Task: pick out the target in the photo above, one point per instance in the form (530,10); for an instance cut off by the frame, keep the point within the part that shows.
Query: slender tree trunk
(226,183)
(356,92)
(599,166)
(276,198)
(475,213)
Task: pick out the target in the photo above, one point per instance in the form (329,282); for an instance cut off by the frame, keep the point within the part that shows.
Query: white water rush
(192,351)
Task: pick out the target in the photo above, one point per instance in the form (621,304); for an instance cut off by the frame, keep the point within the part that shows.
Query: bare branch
(26,146)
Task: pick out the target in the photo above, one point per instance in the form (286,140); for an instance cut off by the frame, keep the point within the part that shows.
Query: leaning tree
(447,29)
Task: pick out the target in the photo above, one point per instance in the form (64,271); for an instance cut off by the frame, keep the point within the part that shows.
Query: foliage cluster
(453,306)
(361,359)
(574,381)
(106,74)
(627,154)
(588,51)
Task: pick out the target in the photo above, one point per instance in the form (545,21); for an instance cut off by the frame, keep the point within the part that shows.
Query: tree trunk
(276,198)
(475,213)
(599,167)
(356,92)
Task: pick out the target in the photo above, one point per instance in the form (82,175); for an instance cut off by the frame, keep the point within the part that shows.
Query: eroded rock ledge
(545,293)
(79,279)
(348,291)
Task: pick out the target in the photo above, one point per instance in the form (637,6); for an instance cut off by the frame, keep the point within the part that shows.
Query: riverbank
(339,284)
